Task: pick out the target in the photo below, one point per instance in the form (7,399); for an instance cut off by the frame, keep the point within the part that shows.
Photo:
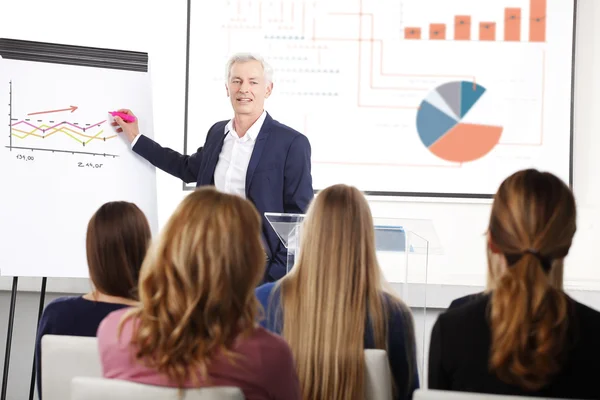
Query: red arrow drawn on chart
(72,108)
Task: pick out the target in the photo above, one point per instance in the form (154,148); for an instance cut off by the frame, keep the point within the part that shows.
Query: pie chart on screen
(455,122)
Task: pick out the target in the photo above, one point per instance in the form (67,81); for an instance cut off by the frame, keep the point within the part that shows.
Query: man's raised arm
(184,167)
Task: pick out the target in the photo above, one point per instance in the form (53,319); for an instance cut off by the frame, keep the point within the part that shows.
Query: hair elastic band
(514,258)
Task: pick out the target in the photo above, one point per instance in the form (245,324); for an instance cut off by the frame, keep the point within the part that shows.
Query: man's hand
(129,129)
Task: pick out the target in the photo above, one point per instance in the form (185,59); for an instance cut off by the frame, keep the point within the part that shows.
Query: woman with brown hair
(333,303)
(118,236)
(196,324)
(524,336)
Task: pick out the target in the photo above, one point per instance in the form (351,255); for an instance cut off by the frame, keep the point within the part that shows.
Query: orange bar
(487,31)
(412,33)
(512,24)
(437,31)
(462,27)
(537,24)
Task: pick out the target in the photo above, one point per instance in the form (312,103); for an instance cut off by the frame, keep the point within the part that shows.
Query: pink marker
(125,117)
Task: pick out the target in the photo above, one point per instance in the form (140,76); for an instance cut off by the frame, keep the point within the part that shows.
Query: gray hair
(245,57)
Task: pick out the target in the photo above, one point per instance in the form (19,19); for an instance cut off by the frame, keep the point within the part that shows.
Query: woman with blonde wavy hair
(332,305)
(525,335)
(196,324)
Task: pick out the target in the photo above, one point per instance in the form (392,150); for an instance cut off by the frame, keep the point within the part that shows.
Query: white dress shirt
(230,173)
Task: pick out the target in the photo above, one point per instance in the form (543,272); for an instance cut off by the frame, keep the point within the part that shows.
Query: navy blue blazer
(278,178)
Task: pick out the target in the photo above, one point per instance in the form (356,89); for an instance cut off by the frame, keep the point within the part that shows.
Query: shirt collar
(252,132)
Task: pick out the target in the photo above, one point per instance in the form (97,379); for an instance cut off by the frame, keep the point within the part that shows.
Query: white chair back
(378,377)
(83,388)
(63,358)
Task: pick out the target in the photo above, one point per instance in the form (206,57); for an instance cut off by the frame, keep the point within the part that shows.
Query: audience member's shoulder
(392,304)
(465,299)
(273,357)
(270,343)
(398,314)
(475,308)
(112,321)
(107,333)
(112,341)
(587,315)
(264,290)
(65,303)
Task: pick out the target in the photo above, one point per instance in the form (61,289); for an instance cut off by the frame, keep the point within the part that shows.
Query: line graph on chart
(57,135)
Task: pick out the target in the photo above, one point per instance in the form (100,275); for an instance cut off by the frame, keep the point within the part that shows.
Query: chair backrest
(430,394)
(83,388)
(378,377)
(63,358)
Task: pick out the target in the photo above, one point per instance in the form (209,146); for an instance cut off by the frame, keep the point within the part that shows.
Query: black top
(465,299)
(72,316)
(460,347)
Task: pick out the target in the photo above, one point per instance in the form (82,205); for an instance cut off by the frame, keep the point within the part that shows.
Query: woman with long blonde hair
(525,335)
(196,324)
(332,305)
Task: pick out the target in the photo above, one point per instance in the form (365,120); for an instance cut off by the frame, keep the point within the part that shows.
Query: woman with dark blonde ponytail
(524,336)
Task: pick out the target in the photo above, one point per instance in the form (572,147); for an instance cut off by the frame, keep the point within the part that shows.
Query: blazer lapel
(259,146)
(213,159)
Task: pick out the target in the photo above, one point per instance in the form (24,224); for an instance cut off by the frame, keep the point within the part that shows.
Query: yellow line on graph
(26,134)
(95,136)
(72,131)
(63,130)
(68,134)
(41,137)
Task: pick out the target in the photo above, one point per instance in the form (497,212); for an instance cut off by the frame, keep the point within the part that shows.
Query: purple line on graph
(54,126)
(27,123)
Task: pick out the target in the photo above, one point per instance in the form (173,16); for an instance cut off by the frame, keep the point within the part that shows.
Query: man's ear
(269,90)
(227,90)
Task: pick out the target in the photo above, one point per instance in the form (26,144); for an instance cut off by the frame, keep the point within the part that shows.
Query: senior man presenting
(251,155)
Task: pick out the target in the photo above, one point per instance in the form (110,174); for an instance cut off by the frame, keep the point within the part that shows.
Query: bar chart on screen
(512,24)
